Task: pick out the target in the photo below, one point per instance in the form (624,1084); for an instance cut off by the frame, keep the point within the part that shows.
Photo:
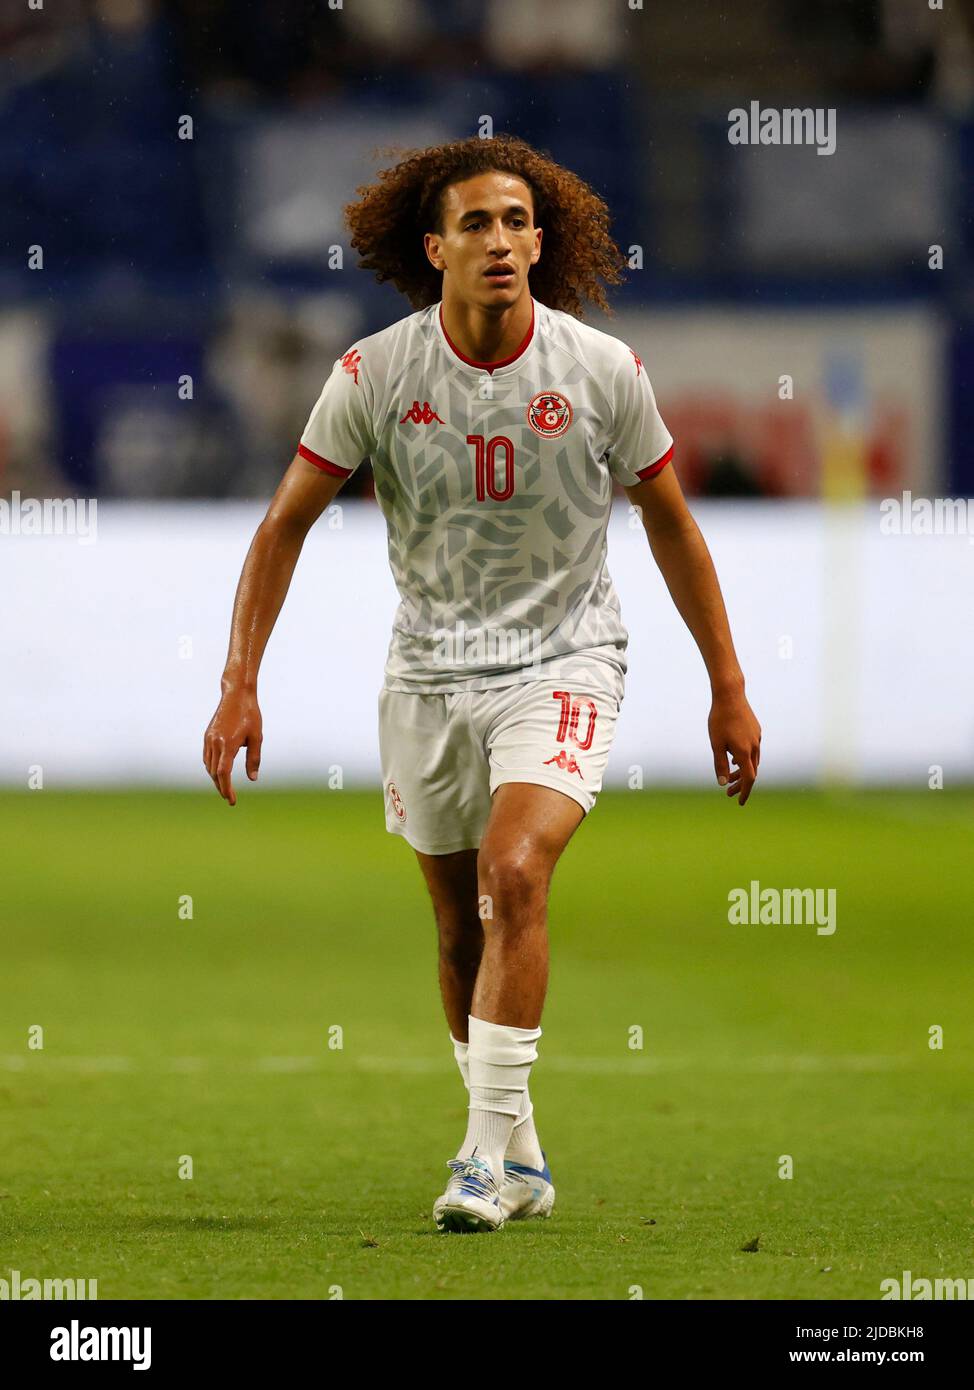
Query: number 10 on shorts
(572,709)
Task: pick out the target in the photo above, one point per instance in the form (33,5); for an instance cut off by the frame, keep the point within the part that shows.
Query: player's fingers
(721,765)
(748,774)
(225,785)
(210,756)
(224,768)
(212,770)
(253,756)
(737,771)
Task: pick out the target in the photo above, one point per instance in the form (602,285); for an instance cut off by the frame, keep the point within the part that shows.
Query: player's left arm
(684,561)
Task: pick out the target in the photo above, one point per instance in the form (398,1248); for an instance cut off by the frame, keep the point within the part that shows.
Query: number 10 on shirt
(485,464)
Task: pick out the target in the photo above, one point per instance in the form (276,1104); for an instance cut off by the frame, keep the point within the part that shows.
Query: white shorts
(444,756)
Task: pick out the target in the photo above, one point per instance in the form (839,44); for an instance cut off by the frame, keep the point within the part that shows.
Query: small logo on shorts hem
(396,801)
(566,761)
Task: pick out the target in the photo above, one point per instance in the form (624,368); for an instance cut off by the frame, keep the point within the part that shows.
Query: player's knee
(512,881)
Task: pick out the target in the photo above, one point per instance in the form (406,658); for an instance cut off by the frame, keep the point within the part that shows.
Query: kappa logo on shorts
(566,761)
(396,801)
(549,414)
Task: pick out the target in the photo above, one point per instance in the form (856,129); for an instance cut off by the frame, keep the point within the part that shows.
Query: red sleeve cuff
(652,469)
(335,469)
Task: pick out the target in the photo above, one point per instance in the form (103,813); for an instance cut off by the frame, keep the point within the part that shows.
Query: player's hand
(734,729)
(237,722)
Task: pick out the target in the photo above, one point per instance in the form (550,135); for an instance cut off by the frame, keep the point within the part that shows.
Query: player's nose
(499,240)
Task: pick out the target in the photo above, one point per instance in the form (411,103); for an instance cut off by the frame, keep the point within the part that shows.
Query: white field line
(629,1065)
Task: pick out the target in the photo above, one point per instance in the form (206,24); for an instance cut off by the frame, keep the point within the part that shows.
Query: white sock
(524,1146)
(460,1053)
(499,1059)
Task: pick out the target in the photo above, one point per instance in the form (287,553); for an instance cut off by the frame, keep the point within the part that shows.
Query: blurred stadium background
(194,292)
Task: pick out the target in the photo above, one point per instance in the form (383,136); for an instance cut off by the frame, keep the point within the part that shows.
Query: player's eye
(472,226)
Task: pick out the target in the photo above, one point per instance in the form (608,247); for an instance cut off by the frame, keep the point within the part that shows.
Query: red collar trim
(490,366)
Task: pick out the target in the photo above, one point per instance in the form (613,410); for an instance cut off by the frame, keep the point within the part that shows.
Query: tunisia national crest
(549,414)
(396,802)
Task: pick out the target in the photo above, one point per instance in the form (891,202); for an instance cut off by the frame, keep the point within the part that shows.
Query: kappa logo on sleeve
(639,361)
(350,363)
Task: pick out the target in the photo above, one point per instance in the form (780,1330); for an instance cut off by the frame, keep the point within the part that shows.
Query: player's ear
(431,243)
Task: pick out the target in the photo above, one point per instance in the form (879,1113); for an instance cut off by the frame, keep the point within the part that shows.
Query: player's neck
(484,336)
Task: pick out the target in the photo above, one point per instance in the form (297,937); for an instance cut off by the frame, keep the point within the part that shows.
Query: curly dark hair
(392,215)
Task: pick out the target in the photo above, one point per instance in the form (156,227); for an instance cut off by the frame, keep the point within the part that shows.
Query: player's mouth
(500,274)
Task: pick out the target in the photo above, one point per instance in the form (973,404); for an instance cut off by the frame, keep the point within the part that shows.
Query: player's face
(488,228)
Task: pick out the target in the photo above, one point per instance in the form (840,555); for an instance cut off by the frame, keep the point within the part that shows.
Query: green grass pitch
(315,1167)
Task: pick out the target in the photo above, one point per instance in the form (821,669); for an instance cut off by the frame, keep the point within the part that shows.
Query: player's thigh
(452,883)
(528,828)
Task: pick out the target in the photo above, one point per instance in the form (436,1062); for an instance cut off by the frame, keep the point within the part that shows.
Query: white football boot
(471,1201)
(526,1192)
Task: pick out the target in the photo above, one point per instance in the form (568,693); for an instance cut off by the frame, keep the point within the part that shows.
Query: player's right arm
(303,494)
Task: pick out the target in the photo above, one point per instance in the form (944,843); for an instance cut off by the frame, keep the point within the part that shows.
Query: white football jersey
(495,481)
